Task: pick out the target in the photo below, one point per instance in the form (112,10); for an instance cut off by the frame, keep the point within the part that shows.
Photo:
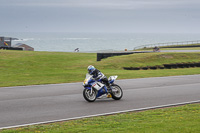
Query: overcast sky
(146,16)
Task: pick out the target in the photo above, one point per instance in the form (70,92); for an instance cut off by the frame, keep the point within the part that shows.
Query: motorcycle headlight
(85,82)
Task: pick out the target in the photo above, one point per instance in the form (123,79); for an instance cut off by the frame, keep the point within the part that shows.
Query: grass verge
(181,119)
(32,68)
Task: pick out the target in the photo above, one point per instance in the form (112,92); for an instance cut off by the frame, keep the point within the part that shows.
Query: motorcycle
(156,49)
(94,89)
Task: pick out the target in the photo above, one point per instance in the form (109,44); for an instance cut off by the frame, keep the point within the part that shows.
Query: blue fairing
(101,91)
(91,81)
(89,88)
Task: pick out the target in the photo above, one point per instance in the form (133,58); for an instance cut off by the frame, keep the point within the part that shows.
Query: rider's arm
(97,74)
(100,75)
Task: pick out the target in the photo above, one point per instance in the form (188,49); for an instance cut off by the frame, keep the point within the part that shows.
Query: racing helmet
(91,69)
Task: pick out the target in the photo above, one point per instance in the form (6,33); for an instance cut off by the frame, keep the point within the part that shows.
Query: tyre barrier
(10,48)
(166,66)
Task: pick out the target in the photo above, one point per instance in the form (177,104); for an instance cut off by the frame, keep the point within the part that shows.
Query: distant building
(6,41)
(24,46)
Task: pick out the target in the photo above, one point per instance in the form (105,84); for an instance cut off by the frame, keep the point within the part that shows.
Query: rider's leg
(105,81)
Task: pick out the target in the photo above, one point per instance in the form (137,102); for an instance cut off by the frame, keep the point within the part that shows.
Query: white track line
(104,114)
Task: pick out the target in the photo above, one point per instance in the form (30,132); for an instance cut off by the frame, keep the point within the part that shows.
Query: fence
(167,44)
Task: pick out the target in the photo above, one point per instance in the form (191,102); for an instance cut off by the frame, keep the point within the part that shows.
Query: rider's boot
(109,91)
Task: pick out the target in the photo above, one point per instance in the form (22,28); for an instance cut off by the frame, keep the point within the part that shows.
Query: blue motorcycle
(94,89)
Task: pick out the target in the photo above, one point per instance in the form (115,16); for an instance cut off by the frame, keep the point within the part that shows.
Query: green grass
(33,68)
(25,68)
(149,59)
(182,119)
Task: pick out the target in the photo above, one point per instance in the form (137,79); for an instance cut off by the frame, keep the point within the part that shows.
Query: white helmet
(91,69)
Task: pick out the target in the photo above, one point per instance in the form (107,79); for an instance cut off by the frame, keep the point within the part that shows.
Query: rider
(97,75)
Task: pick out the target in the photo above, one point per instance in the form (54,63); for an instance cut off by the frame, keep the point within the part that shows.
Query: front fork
(89,88)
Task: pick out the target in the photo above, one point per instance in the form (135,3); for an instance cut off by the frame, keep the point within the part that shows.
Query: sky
(135,16)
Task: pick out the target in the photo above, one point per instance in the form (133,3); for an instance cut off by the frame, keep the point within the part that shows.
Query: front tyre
(88,95)
(117,92)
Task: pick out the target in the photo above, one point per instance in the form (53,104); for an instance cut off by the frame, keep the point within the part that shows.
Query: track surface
(40,103)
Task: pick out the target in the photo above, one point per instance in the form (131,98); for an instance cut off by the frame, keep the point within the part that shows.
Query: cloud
(103,4)
(100,15)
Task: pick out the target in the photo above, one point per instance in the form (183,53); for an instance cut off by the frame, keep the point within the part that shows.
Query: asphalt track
(41,103)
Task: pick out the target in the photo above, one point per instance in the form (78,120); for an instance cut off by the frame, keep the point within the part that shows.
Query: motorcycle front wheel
(89,95)
(117,92)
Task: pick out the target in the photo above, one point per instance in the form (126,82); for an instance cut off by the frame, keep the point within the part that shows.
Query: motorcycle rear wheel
(88,95)
(117,92)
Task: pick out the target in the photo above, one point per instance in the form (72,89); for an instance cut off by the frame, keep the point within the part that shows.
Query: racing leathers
(99,76)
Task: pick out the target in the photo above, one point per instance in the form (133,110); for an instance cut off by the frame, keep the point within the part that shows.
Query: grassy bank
(173,47)
(182,119)
(161,49)
(32,68)
(191,48)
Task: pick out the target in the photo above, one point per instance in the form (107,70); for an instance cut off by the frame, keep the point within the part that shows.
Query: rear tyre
(88,95)
(117,92)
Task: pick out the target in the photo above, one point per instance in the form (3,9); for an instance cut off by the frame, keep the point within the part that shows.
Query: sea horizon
(94,41)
